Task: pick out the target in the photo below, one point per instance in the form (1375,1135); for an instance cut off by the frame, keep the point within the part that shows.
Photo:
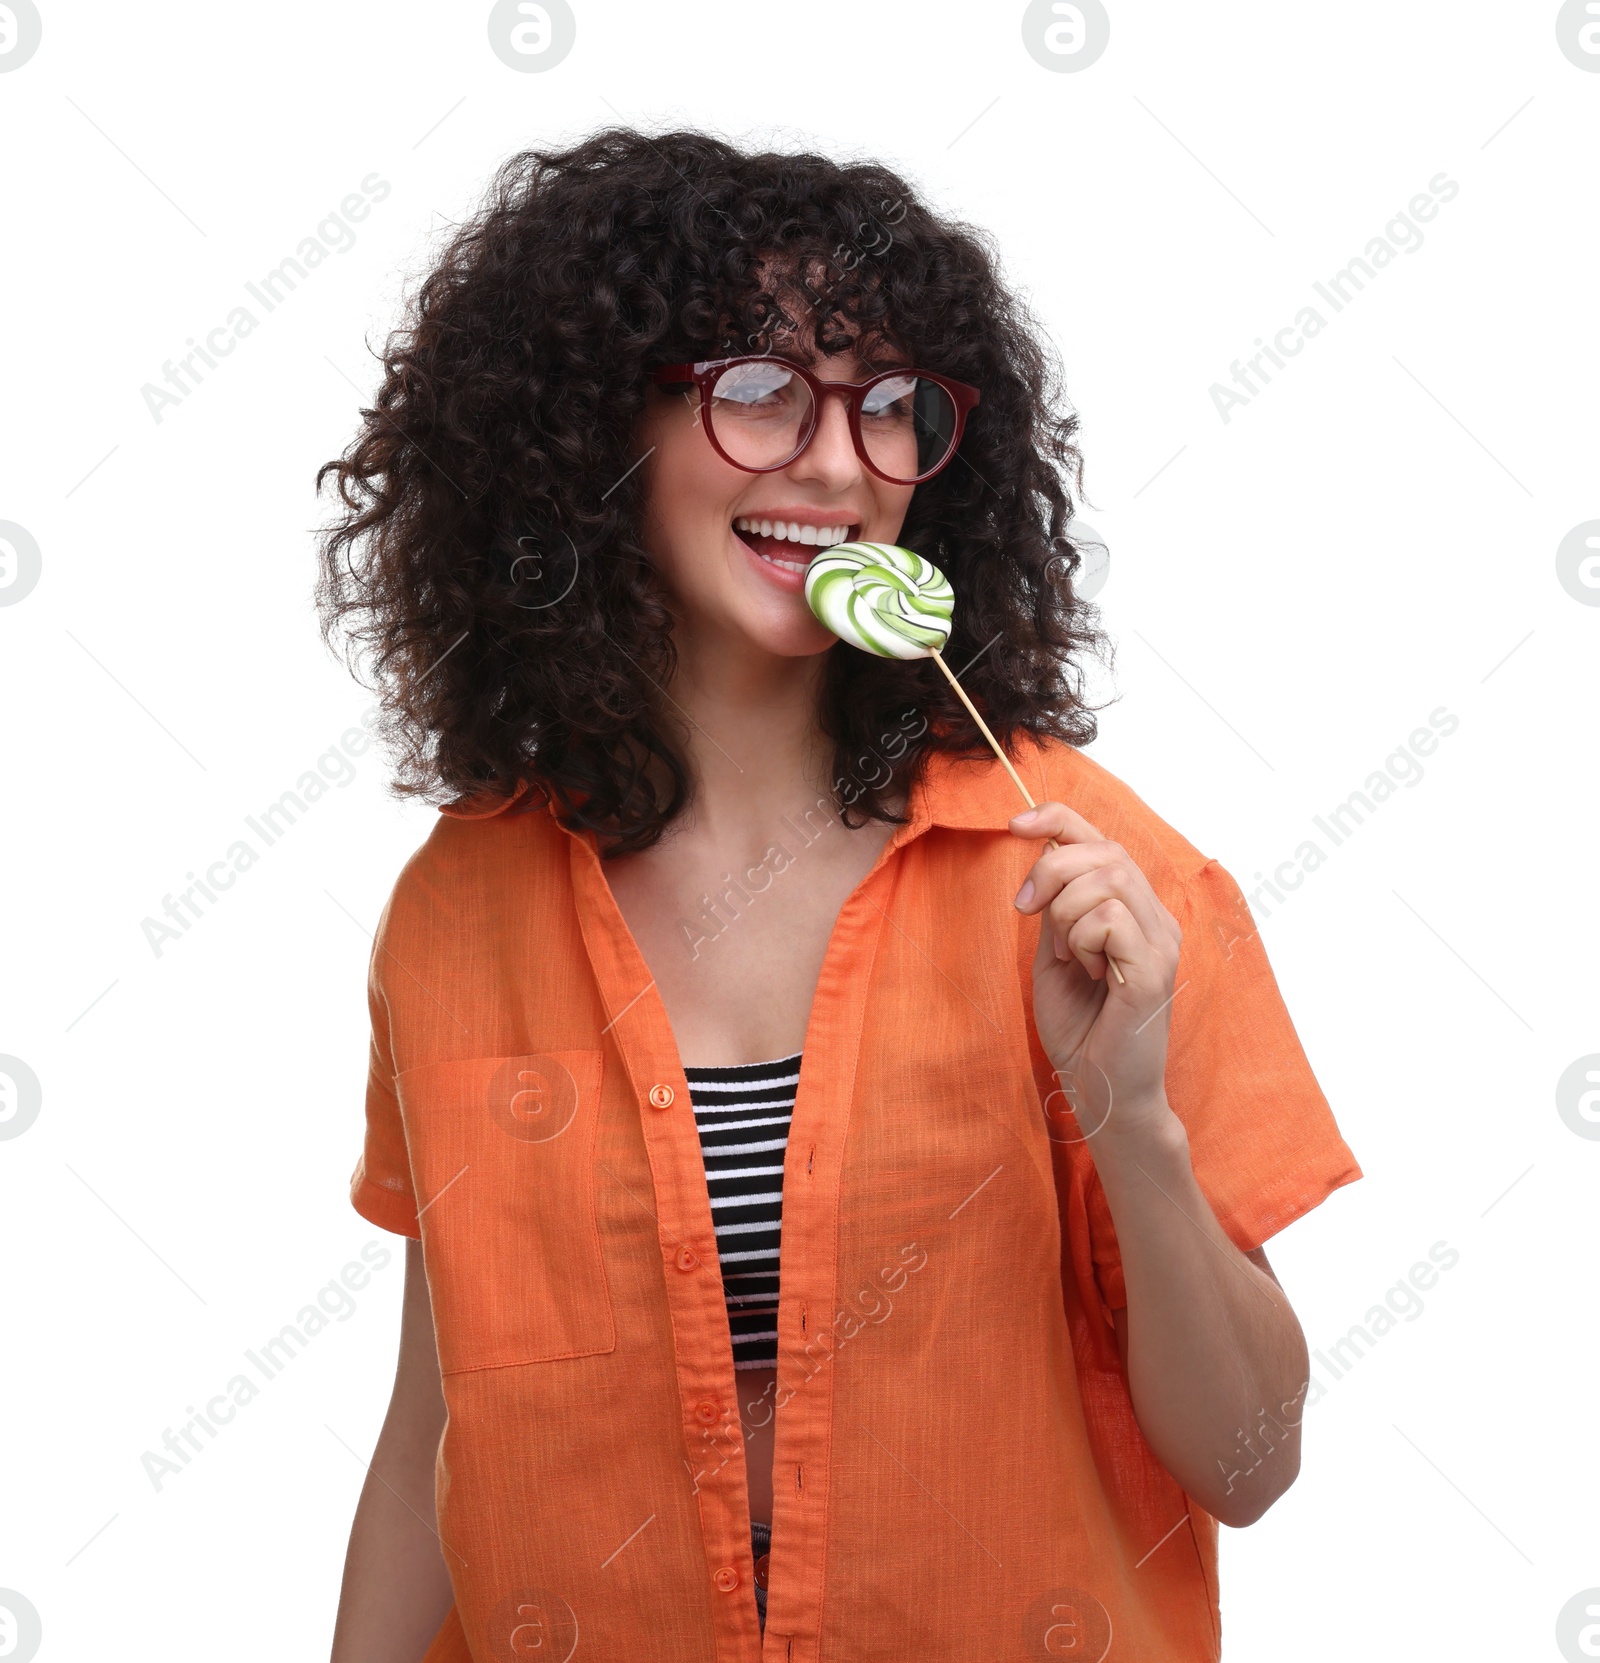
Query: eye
(891,397)
(753,385)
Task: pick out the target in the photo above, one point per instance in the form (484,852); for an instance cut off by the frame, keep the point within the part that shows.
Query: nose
(830,458)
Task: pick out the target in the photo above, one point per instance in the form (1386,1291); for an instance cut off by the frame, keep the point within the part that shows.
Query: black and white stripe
(742,1115)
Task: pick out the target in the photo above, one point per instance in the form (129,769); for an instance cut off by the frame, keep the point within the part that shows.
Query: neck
(753,743)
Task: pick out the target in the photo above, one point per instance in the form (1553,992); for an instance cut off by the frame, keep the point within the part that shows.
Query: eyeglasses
(761,412)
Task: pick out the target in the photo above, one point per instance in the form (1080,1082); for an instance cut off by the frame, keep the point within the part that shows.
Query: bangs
(805,303)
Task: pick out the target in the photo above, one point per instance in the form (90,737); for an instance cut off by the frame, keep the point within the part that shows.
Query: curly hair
(486,560)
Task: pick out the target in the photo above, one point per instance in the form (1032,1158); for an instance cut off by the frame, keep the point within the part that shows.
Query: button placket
(809,1267)
(703,1353)
(672,1145)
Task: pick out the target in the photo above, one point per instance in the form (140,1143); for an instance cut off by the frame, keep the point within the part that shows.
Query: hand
(1107,1040)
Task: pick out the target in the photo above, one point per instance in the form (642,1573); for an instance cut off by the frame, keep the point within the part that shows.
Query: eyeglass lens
(762,412)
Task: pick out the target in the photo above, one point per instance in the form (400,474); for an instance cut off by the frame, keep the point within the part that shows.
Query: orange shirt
(958,1473)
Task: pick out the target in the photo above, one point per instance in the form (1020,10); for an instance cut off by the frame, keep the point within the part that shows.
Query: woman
(730,933)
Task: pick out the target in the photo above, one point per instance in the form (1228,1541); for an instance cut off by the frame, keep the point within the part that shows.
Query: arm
(1221,1414)
(1216,1363)
(396,1589)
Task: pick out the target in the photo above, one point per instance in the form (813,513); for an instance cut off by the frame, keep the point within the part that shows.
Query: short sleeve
(380,1187)
(1262,1138)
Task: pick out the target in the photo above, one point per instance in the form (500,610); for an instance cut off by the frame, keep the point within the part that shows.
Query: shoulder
(488,804)
(976,794)
(478,849)
(1112,804)
(1067,775)
(1198,890)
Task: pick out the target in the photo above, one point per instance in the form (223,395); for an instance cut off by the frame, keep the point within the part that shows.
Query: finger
(1053,871)
(1055,820)
(1087,874)
(1051,953)
(1109,930)
(1077,957)
(1079,954)
(1117,880)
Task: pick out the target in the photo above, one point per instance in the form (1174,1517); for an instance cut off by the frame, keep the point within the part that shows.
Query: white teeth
(790,531)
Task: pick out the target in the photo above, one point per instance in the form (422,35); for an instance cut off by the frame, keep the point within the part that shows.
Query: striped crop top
(742,1115)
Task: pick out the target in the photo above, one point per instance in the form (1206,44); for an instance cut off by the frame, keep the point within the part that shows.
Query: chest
(734,930)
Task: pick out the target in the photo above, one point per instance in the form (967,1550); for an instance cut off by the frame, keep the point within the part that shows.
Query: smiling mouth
(788,545)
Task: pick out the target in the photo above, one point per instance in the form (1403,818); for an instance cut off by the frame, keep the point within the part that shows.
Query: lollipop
(883,599)
(887,600)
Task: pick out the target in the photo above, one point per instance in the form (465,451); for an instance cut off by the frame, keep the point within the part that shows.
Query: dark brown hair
(486,559)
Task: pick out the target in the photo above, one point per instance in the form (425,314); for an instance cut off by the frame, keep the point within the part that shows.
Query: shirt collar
(963,793)
(974,793)
(483,805)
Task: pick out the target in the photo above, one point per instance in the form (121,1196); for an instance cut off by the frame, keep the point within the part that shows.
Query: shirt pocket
(503,1161)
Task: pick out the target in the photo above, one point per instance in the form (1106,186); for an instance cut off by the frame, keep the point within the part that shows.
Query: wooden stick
(1005,762)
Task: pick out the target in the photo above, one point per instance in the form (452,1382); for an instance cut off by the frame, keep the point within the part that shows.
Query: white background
(1292,590)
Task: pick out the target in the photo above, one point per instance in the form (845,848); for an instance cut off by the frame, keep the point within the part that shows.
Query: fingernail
(1025,894)
(1025,817)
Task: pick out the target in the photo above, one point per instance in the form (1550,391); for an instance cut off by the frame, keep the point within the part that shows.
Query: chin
(787,637)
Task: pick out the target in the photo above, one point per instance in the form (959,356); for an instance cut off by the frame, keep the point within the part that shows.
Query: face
(713,530)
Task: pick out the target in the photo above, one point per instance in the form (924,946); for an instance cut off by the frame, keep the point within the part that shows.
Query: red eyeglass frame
(705,373)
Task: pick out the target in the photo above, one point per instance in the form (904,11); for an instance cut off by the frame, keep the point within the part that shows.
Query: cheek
(688,492)
(894,503)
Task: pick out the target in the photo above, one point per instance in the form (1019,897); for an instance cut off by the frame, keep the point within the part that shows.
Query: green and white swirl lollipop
(881,598)
(889,601)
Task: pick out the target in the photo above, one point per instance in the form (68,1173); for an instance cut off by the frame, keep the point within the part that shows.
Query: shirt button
(661,1097)
(762,1565)
(727,1579)
(708,1410)
(687,1258)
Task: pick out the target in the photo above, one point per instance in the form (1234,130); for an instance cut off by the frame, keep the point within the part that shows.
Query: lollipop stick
(1005,762)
